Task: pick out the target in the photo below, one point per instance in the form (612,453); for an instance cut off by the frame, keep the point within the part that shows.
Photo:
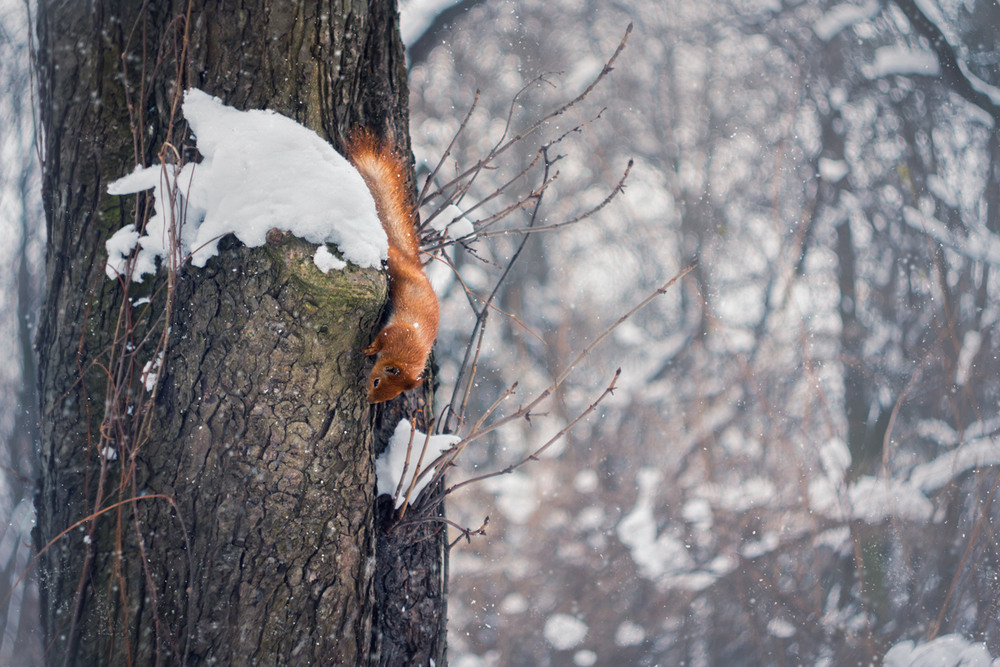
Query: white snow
(629,634)
(516,496)
(591,517)
(740,497)
(902,60)
(326,261)
(843,16)
(119,246)
(833,171)
(391,465)
(460,228)
(939,188)
(939,431)
(930,9)
(835,458)
(779,627)
(946,651)
(564,632)
(838,539)
(870,499)
(981,244)
(990,91)
(931,476)
(468,660)
(763,545)
(586,481)
(416,16)
(150,372)
(261,170)
(514,603)
(698,511)
(452,222)
(655,556)
(970,347)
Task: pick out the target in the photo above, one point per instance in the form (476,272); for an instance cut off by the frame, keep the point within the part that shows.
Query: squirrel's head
(387,381)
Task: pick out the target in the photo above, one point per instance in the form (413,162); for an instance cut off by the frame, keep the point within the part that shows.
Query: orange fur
(403,345)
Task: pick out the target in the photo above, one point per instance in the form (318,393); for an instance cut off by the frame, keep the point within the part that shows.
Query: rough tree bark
(235,522)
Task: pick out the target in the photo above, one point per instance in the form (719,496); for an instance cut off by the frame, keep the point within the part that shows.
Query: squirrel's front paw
(372,349)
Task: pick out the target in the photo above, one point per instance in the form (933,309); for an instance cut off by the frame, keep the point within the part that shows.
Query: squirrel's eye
(392,370)
(375,383)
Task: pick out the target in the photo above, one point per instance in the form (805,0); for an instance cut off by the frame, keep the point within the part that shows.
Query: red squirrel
(403,345)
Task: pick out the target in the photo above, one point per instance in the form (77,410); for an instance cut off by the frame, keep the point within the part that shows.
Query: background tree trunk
(234,522)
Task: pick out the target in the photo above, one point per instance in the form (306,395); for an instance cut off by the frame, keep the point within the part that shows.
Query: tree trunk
(228,515)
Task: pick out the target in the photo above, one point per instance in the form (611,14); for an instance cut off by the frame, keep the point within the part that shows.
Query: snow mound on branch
(946,651)
(260,171)
(564,632)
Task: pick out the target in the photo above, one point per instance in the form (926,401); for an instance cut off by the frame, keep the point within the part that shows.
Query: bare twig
(572,221)
(502,148)
(447,459)
(479,327)
(467,533)
(430,177)
(416,470)
(610,389)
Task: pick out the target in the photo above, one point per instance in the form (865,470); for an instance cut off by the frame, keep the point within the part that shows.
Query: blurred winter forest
(799,462)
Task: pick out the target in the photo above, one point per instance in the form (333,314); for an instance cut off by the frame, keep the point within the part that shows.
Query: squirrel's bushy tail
(384,171)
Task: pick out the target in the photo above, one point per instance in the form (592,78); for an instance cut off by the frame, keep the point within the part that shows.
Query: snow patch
(655,556)
(947,651)
(629,634)
(119,246)
(833,171)
(779,627)
(517,497)
(747,494)
(392,464)
(564,632)
(452,222)
(931,476)
(930,9)
(698,511)
(970,347)
(586,481)
(326,261)
(417,16)
(261,170)
(514,603)
(835,457)
(901,60)
(842,17)
(870,499)
(981,244)
(150,372)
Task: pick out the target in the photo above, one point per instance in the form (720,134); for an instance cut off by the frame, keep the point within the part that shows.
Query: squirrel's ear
(392,370)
